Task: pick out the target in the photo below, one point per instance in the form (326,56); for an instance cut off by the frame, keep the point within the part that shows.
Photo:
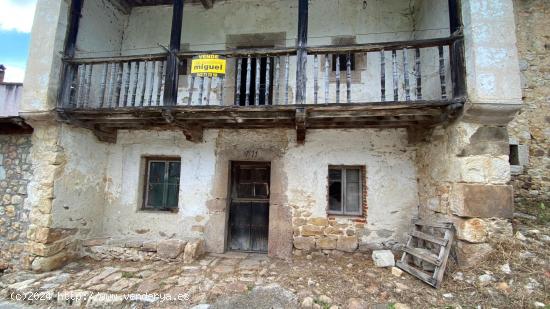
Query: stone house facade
(530,130)
(324,134)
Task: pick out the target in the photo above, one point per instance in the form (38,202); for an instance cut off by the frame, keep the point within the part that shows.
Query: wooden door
(249,211)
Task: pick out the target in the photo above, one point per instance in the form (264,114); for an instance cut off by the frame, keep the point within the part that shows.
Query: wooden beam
(301,58)
(301,116)
(172,76)
(69,70)
(456,50)
(208,4)
(106,135)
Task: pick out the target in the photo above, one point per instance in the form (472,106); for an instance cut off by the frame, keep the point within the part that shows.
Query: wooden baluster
(406,74)
(267,79)
(327,68)
(239,76)
(80,84)
(160,81)
(383,75)
(151,83)
(88,84)
(248,77)
(418,74)
(257,84)
(348,77)
(118,85)
(127,84)
(208,86)
(337,78)
(395,76)
(201,89)
(287,67)
(102,85)
(442,73)
(112,80)
(191,90)
(144,84)
(136,81)
(222,89)
(276,80)
(73,87)
(315,78)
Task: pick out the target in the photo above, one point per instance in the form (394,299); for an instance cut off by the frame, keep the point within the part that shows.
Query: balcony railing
(363,73)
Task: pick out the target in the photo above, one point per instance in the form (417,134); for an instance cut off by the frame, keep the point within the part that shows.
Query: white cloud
(14,73)
(17,15)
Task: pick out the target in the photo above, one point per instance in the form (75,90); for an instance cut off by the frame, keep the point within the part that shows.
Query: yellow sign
(208,66)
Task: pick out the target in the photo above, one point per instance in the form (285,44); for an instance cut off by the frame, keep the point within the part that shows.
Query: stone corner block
(45,264)
(193,250)
(304,243)
(469,254)
(170,248)
(482,200)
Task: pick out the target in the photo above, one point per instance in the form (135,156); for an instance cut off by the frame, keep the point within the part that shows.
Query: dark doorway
(249,211)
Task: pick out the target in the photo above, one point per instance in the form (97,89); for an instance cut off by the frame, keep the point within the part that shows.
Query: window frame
(167,161)
(343,169)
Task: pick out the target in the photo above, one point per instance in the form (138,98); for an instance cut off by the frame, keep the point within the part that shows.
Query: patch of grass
(322,304)
(391,306)
(539,209)
(127,275)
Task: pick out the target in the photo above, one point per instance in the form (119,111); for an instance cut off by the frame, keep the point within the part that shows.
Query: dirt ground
(516,275)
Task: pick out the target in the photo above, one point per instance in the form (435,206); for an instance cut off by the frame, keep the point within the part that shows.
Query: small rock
(532,285)
(485,278)
(396,271)
(401,286)
(307,302)
(310,282)
(401,306)
(506,269)
(356,303)
(503,286)
(539,304)
(520,236)
(526,255)
(448,295)
(325,299)
(458,276)
(383,258)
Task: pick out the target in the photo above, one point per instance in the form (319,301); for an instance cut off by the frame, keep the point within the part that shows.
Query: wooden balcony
(414,84)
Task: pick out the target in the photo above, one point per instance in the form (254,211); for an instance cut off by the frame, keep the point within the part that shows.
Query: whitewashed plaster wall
(392,194)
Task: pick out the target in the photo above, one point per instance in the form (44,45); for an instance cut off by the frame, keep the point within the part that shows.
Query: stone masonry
(15,171)
(531,128)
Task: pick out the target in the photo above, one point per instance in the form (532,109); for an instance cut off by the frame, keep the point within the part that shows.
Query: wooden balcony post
(172,76)
(456,49)
(69,69)
(301,55)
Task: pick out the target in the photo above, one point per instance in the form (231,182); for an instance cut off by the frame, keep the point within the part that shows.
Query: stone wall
(531,127)
(15,171)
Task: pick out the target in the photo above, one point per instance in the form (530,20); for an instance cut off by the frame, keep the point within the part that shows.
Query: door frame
(233,164)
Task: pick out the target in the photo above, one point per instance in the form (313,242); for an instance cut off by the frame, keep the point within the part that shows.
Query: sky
(15,26)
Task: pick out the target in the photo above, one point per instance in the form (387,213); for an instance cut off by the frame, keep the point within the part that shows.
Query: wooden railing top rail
(239,52)
(100,60)
(387,46)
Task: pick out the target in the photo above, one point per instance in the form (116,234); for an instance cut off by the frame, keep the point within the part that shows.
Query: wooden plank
(428,237)
(102,85)
(337,78)
(395,76)
(267,80)
(442,73)
(287,67)
(418,74)
(201,89)
(135,83)
(430,258)
(151,82)
(406,74)
(257,84)
(444,257)
(222,89)
(143,83)
(383,75)
(118,85)
(276,80)
(443,225)
(88,84)
(160,80)
(301,53)
(416,272)
(326,77)
(208,86)
(348,77)
(191,90)
(238,86)
(315,79)
(248,79)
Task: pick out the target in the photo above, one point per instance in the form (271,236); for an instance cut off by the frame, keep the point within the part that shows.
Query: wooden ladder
(422,237)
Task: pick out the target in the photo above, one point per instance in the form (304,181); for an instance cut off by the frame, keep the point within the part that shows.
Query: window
(162,184)
(514,155)
(345,191)
(343,62)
